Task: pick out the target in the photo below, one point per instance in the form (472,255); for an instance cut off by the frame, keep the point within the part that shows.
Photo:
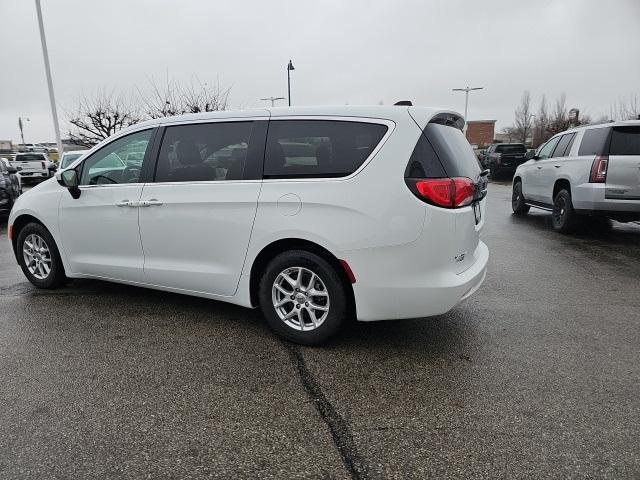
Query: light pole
(273,99)
(20,126)
(47,69)
(289,68)
(466,91)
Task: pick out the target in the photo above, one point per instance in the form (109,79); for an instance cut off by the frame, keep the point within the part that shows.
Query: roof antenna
(404,103)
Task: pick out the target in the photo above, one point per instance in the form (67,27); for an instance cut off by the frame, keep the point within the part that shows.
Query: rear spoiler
(442,117)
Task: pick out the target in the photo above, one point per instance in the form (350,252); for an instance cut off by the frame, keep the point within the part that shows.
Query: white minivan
(313,214)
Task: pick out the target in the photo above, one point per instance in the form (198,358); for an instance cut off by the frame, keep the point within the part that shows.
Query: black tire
(517,200)
(564,218)
(56,277)
(333,283)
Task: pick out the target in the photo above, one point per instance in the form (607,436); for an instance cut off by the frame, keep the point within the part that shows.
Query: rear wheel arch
(561,184)
(263,258)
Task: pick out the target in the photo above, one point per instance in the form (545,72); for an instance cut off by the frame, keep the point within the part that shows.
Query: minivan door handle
(124,203)
(557,166)
(150,202)
(539,167)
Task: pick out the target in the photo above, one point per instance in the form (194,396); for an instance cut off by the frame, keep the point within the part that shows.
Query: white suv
(313,214)
(587,171)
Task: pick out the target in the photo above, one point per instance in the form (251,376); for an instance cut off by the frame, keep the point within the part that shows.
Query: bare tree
(201,97)
(559,120)
(626,108)
(101,115)
(523,118)
(511,133)
(172,98)
(161,99)
(541,123)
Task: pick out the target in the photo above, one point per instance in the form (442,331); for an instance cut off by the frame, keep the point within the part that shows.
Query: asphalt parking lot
(536,376)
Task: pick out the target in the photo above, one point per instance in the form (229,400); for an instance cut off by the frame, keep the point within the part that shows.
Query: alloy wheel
(300,298)
(37,256)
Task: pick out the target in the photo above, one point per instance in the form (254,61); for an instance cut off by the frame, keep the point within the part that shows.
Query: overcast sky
(355,51)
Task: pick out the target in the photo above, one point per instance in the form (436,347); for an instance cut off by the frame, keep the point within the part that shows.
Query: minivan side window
(319,148)
(545,151)
(593,141)
(118,162)
(204,152)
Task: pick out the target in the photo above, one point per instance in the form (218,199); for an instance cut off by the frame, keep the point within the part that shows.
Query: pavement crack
(338,426)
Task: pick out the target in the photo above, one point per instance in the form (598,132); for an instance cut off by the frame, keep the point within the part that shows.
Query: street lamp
(466,91)
(20,126)
(47,69)
(289,68)
(273,99)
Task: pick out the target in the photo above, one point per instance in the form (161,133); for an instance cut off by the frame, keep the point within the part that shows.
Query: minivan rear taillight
(599,169)
(445,192)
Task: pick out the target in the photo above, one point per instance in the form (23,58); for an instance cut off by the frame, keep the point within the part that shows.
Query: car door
(100,233)
(197,215)
(535,190)
(623,170)
(552,168)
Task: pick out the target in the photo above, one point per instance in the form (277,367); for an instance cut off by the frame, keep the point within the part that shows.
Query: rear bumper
(383,294)
(589,198)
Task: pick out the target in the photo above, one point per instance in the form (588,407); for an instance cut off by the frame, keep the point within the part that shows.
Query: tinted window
(118,162)
(319,148)
(563,144)
(593,141)
(424,162)
(547,148)
(204,152)
(453,151)
(511,149)
(625,141)
(29,157)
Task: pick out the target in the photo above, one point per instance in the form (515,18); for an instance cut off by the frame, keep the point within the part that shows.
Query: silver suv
(587,171)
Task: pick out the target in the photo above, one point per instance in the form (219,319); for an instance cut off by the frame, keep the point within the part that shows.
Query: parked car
(32,147)
(34,166)
(313,214)
(504,158)
(10,186)
(587,171)
(69,157)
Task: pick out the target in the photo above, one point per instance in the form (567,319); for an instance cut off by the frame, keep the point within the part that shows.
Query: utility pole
(289,68)
(273,99)
(466,91)
(20,126)
(47,69)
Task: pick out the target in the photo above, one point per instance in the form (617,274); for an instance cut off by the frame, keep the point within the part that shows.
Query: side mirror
(12,170)
(483,152)
(69,179)
(530,155)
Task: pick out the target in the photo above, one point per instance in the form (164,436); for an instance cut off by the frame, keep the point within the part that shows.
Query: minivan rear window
(443,151)
(593,141)
(625,141)
(319,148)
